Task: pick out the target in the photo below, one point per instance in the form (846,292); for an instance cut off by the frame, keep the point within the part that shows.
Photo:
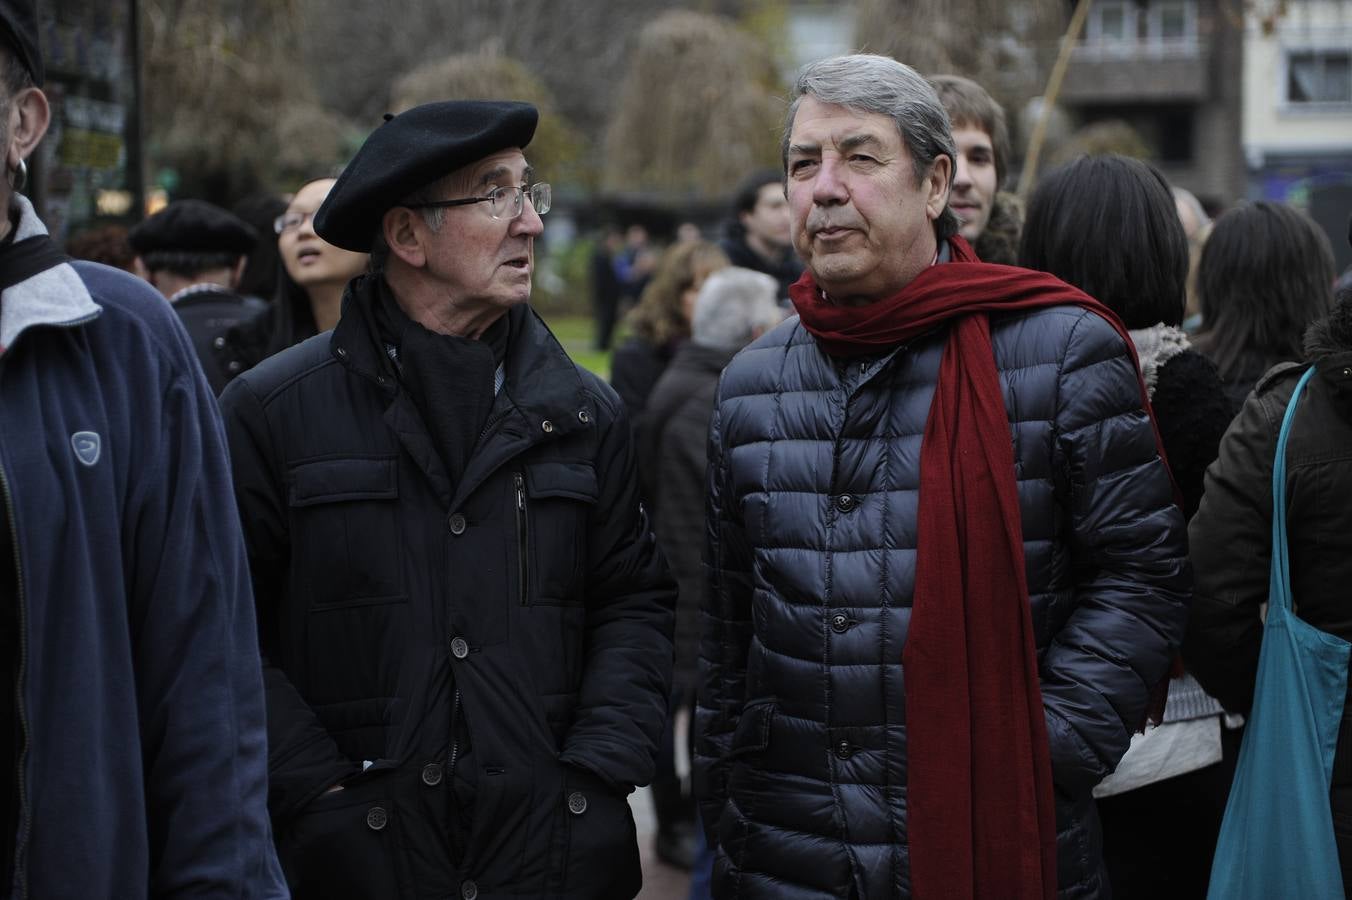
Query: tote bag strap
(1280,587)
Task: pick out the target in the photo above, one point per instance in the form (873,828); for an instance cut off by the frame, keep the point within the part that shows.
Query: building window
(1111,22)
(1319,76)
(1172,22)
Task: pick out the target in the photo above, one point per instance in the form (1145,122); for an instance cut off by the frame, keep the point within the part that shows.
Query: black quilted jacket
(801,758)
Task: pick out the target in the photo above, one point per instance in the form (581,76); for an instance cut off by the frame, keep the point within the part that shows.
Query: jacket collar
(540,378)
(542,398)
(703,359)
(57,296)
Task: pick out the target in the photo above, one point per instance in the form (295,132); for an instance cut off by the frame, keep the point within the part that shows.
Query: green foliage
(564,286)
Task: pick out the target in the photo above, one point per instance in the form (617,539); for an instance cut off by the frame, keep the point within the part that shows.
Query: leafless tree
(356,49)
(555,150)
(701,105)
(1007,47)
(226,103)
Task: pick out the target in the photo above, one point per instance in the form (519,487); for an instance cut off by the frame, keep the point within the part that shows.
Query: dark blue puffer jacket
(801,757)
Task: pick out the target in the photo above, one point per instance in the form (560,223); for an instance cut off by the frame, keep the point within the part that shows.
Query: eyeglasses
(290,221)
(505,202)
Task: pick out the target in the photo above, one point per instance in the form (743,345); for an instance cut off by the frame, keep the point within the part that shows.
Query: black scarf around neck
(449,379)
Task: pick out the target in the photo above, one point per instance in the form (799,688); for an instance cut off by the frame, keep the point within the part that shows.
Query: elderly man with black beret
(193,252)
(465,622)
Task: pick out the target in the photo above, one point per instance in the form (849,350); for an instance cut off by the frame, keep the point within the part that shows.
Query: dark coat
(635,367)
(785,270)
(1248,368)
(814,475)
(673,443)
(138,706)
(522,616)
(1231,535)
(213,318)
(1193,411)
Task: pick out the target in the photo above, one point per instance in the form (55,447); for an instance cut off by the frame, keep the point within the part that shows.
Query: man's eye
(861,158)
(800,165)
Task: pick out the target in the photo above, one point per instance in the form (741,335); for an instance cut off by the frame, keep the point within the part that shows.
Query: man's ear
(29,116)
(403,229)
(938,181)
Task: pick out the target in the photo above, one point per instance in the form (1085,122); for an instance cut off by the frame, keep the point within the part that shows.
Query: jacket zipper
(455,736)
(24,825)
(522,538)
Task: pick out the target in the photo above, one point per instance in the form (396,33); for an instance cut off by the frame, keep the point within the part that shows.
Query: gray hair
(1189,199)
(879,84)
(434,216)
(733,304)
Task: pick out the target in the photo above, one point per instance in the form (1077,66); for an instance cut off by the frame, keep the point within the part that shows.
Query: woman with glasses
(314,272)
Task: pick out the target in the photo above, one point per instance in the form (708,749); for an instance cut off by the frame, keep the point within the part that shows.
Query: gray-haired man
(890,688)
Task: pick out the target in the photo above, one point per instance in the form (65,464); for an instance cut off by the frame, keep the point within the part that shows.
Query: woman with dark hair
(660,321)
(1109,226)
(1265,274)
(311,277)
(1231,536)
(313,274)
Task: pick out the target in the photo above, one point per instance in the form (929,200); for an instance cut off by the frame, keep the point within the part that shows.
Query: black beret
(193,226)
(19,28)
(411,150)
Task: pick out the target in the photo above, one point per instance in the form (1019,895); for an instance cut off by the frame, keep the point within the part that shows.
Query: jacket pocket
(753,729)
(344,844)
(554,503)
(363,729)
(598,839)
(345,531)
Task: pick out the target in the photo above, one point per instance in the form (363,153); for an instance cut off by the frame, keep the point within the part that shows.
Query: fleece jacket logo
(87,445)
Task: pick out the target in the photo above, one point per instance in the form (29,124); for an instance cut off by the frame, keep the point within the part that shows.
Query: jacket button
(342,352)
(844,750)
(234,366)
(577,803)
(459,648)
(547,426)
(469,890)
(377,818)
(846,502)
(431,774)
(219,343)
(584,417)
(840,624)
(456,522)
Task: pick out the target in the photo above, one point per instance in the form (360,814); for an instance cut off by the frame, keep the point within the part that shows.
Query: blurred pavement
(660,881)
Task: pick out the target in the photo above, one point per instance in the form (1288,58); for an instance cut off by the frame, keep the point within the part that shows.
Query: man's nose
(829,187)
(962,177)
(529,222)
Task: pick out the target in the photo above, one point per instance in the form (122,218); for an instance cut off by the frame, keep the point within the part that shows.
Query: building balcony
(1137,72)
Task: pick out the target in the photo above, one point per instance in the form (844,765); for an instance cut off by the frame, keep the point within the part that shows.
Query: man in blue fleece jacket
(133,757)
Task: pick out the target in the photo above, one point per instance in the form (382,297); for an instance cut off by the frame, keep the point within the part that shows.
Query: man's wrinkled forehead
(851,128)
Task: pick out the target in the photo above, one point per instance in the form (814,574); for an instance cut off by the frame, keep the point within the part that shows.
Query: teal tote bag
(1277,836)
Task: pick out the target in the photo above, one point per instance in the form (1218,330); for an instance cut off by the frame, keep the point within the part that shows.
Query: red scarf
(981,820)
